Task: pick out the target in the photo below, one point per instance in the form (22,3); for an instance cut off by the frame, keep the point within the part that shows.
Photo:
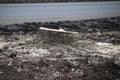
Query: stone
(3,44)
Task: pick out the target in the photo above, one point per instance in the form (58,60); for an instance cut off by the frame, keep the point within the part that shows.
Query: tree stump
(57,36)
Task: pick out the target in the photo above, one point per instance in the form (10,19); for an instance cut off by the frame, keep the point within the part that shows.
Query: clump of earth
(95,56)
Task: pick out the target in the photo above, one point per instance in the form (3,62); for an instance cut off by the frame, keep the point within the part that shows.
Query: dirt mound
(82,60)
(22,57)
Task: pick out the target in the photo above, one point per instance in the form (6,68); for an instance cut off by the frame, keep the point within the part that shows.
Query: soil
(95,56)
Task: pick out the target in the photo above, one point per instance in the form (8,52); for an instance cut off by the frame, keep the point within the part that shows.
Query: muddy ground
(95,56)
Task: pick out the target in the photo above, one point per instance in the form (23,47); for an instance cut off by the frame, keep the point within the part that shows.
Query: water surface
(11,13)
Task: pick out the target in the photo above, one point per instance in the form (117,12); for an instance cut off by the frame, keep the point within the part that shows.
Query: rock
(4,62)
(117,59)
(10,63)
(19,69)
(12,55)
(3,44)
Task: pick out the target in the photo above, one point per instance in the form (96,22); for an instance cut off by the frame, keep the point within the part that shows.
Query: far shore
(20,20)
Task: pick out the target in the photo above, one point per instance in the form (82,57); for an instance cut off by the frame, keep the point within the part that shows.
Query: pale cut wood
(57,36)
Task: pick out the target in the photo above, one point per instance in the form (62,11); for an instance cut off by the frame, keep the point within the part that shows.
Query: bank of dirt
(95,56)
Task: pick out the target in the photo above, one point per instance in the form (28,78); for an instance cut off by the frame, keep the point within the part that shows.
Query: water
(11,13)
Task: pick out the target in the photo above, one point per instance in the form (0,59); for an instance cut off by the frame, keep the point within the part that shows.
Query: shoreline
(74,25)
(21,20)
